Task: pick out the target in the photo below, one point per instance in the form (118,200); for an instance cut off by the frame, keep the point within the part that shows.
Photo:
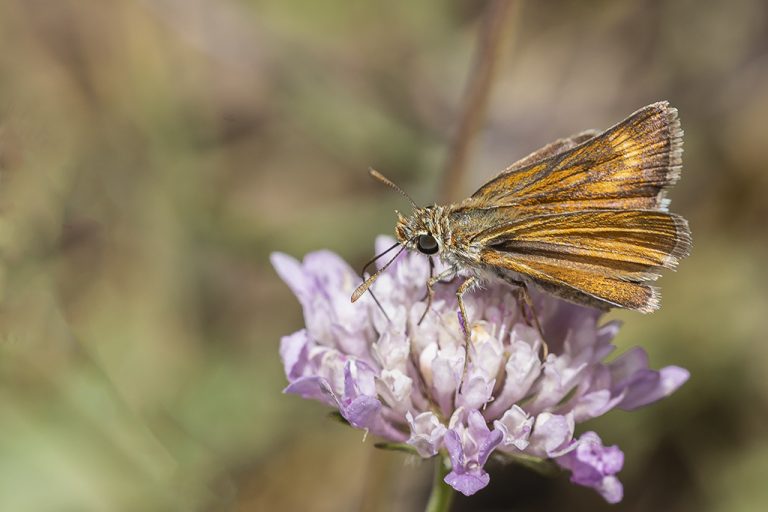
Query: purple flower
(469,443)
(594,465)
(417,383)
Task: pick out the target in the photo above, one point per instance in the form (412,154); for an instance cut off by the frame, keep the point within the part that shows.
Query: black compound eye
(427,244)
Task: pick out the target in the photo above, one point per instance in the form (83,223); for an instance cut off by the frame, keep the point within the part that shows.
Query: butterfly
(584,218)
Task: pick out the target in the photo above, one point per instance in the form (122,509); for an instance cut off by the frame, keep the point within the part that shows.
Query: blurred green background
(154,152)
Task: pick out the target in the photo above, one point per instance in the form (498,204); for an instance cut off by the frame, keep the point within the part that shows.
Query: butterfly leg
(529,303)
(522,290)
(464,320)
(463,288)
(429,289)
(430,283)
(430,292)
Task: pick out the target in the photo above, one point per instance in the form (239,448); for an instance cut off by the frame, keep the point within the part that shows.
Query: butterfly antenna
(362,273)
(368,282)
(380,306)
(377,175)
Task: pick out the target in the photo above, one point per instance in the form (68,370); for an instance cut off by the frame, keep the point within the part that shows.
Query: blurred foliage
(154,152)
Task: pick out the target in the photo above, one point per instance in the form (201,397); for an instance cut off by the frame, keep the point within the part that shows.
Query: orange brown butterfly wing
(629,166)
(553,148)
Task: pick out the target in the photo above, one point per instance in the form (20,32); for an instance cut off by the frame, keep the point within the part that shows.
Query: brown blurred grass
(154,153)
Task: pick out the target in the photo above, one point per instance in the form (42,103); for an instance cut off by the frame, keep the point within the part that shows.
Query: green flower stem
(442,494)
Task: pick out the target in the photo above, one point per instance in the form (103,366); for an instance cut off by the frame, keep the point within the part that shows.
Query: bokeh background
(154,152)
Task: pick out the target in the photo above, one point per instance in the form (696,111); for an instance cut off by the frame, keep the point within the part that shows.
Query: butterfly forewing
(628,166)
(551,149)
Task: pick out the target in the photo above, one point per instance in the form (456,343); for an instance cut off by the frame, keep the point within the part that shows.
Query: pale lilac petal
(476,426)
(521,371)
(610,489)
(359,404)
(469,446)
(392,350)
(641,385)
(551,434)
(488,445)
(605,335)
(290,271)
(444,382)
(487,353)
(594,465)
(457,419)
(294,353)
(395,387)
(446,374)
(362,411)
(624,367)
(329,364)
(475,392)
(558,318)
(351,339)
(486,356)
(452,442)
(468,455)
(330,273)
(561,376)
(359,379)
(516,425)
(312,388)
(468,483)
(651,386)
(594,404)
(582,337)
(427,433)
(323,283)
(605,460)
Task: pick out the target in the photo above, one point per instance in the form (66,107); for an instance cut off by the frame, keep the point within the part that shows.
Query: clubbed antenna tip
(380,177)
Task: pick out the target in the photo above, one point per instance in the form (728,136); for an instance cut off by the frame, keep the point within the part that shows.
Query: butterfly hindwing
(597,257)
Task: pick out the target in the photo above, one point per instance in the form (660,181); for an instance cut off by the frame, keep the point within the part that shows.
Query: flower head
(420,383)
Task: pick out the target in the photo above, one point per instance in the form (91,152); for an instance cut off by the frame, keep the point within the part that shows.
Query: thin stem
(442,494)
(496,22)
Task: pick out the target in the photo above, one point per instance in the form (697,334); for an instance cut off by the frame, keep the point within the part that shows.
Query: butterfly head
(421,231)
